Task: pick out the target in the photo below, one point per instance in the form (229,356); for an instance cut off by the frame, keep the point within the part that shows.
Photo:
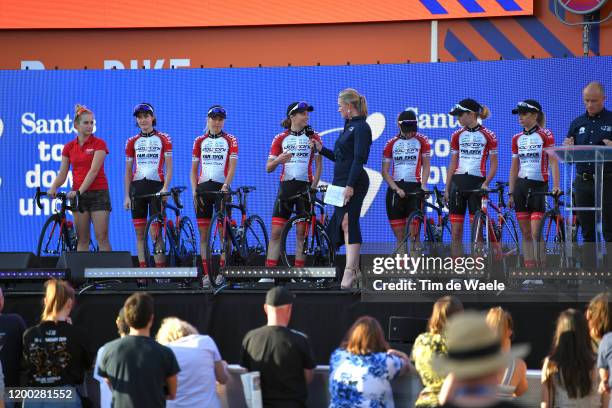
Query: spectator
(474,359)
(106,395)
(12,327)
(598,318)
(430,344)
(283,356)
(200,363)
(569,377)
(514,379)
(362,368)
(56,353)
(140,371)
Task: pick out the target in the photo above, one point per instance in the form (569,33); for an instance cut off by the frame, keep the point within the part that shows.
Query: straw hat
(474,349)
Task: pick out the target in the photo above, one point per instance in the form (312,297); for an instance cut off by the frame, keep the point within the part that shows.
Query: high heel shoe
(350,279)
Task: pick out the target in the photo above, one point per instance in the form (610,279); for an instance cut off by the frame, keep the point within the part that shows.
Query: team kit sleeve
(197,149)
(317,137)
(455,142)
(388,151)
(425,146)
(491,142)
(130,152)
(550,139)
(233,147)
(277,147)
(167,145)
(515,145)
(101,145)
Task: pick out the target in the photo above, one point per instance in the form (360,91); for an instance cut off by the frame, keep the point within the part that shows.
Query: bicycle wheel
(51,241)
(254,240)
(156,240)
(218,247)
(415,234)
(316,246)
(552,240)
(510,244)
(187,245)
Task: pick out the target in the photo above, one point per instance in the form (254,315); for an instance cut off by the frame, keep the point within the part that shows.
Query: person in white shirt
(200,362)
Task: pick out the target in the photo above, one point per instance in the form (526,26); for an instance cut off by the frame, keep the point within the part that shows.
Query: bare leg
(82,220)
(100,222)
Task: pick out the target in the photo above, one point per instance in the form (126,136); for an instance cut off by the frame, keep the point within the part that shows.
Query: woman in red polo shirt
(86,154)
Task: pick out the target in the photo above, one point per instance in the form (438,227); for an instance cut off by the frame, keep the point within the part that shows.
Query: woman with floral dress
(362,368)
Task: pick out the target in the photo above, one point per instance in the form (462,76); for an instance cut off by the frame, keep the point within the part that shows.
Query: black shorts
(94,200)
(457,202)
(282,208)
(536,204)
(400,208)
(142,208)
(206,202)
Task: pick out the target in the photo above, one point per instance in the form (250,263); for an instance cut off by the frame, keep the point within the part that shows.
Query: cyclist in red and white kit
(146,155)
(471,147)
(215,154)
(409,152)
(529,170)
(292,150)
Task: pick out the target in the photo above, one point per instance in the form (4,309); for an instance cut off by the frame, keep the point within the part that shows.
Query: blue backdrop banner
(36,112)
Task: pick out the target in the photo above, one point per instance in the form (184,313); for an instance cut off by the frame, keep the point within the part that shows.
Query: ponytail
(355,99)
(541,119)
(57,294)
(484,112)
(286,123)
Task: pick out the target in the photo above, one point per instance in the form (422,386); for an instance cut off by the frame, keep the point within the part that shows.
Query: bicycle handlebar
(175,192)
(555,195)
(63,197)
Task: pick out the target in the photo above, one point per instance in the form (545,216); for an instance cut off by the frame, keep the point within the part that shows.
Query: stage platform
(323,315)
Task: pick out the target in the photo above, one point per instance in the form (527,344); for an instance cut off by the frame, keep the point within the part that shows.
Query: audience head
(138,310)
(59,299)
(278,306)
(571,356)
(443,309)
(172,329)
(501,321)
(474,349)
(365,336)
(122,327)
(598,316)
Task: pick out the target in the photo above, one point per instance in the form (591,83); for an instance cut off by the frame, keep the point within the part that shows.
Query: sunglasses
(217,111)
(528,106)
(143,107)
(299,105)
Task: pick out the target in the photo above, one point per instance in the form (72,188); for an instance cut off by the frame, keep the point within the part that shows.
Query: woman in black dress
(350,154)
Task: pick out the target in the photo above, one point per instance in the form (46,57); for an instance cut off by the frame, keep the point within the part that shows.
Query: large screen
(198,13)
(36,109)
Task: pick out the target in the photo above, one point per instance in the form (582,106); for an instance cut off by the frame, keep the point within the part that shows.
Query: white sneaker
(205,282)
(266,280)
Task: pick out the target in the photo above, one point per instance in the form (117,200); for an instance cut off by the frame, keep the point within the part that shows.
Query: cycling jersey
(527,146)
(473,147)
(214,153)
(149,152)
(406,155)
(296,143)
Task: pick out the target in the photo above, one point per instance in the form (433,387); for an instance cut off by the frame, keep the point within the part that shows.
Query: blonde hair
(443,309)
(598,315)
(57,294)
(484,112)
(172,329)
(500,320)
(541,120)
(80,110)
(286,123)
(595,85)
(355,99)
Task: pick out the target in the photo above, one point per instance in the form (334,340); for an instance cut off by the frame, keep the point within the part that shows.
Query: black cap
(296,107)
(143,107)
(465,105)
(279,296)
(216,111)
(526,106)
(408,120)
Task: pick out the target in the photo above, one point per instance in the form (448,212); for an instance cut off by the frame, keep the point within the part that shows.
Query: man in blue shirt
(592,128)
